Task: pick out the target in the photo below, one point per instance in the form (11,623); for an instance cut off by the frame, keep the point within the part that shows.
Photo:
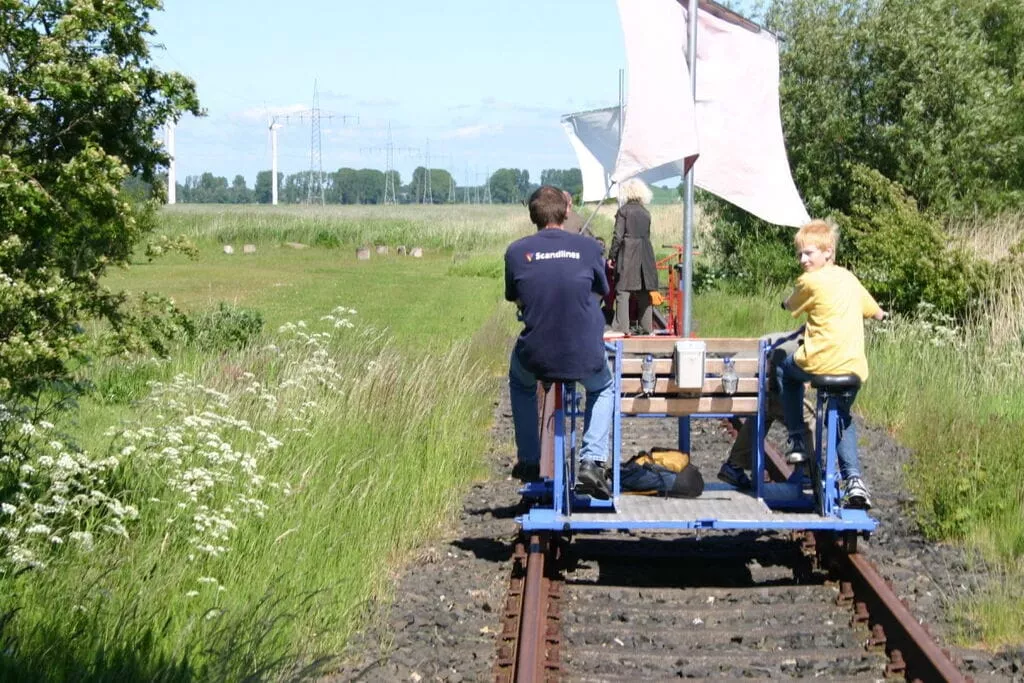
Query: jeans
(791,378)
(597,418)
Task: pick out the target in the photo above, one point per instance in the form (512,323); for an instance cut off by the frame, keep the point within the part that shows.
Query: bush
(747,255)
(897,251)
(327,239)
(900,253)
(226,327)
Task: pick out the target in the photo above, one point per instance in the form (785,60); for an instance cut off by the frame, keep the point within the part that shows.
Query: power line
(451,179)
(315,182)
(389,149)
(316,164)
(428,193)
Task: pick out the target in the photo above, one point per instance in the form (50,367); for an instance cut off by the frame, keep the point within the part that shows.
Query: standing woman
(632,256)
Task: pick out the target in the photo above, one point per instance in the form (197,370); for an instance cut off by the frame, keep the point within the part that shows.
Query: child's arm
(870,307)
(799,299)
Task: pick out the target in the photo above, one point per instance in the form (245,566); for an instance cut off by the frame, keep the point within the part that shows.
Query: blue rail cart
(689,385)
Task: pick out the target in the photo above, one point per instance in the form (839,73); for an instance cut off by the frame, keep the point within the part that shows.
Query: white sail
(742,153)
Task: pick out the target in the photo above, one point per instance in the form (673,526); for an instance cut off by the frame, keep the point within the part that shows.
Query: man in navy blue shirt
(558,279)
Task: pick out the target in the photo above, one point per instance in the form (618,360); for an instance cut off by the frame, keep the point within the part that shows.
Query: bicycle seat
(835,382)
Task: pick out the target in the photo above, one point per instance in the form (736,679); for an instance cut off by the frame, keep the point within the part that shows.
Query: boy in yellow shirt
(836,304)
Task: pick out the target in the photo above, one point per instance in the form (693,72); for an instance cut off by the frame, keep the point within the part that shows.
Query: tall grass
(461,228)
(370,444)
(986,237)
(268,491)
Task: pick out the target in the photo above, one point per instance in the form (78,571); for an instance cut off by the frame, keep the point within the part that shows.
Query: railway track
(624,607)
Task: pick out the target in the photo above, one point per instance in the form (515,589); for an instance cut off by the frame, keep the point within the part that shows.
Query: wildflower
(83,538)
(191,594)
(7,508)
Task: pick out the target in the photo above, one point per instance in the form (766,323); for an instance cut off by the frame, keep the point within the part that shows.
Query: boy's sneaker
(797,452)
(591,479)
(855,495)
(526,471)
(735,476)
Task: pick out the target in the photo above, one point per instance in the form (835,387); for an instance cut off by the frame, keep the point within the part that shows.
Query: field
(263,491)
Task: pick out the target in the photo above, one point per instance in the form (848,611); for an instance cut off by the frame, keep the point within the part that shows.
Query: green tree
(509,185)
(928,93)
(263,192)
(81,106)
(440,183)
(569,179)
(240,192)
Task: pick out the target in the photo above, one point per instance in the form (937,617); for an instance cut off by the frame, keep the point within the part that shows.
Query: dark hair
(547,207)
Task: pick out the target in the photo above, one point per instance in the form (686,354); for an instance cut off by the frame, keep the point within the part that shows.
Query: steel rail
(532,627)
(913,652)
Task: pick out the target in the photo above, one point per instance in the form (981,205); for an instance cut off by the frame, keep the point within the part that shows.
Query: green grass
(392,421)
(464,228)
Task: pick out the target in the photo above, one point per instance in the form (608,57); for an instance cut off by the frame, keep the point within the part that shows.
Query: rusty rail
(912,650)
(531,633)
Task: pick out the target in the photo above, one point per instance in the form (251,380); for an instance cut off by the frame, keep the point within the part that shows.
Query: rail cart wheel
(850,541)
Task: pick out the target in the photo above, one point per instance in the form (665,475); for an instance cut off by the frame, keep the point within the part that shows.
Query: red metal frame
(674,295)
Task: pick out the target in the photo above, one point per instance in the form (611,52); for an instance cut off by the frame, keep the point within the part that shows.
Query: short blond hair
(635,190)
(818,233)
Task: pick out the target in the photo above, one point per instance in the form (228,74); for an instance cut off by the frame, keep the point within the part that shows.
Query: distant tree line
(367,186)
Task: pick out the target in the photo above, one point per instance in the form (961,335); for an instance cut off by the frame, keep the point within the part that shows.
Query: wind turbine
(273,125)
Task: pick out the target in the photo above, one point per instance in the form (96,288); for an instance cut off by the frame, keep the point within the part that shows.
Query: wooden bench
(669,399)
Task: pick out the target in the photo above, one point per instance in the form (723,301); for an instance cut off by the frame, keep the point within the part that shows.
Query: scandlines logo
(548,255)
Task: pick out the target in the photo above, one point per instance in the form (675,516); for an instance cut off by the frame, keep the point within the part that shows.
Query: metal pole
(622,120)
(273,163)
(172,175)
(687,283)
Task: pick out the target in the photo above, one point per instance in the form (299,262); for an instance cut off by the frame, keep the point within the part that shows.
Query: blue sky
(485,82)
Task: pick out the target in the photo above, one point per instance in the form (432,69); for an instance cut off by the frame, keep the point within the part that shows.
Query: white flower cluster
(190,441)
(311,365)
(59,495)
(928,325)
(208,459)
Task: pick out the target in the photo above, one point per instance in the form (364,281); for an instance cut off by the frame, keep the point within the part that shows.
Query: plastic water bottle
(647,378)
(730,380)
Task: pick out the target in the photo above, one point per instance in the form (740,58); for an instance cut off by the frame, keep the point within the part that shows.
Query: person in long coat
(632,255)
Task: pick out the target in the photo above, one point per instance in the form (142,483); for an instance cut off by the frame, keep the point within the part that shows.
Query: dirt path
(444,621)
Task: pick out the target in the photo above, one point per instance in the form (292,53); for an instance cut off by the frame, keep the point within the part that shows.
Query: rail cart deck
(803,502)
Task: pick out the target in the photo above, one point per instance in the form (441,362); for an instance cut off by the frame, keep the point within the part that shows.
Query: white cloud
(471,132)
(264,112)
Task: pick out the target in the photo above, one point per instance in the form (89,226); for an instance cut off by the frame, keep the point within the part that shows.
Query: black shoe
(526,472)
(592,480)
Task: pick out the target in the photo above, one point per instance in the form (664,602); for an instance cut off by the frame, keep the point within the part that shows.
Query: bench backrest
(669,399)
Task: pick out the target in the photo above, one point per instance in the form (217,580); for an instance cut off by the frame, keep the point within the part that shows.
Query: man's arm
(510,282)
(600,285)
